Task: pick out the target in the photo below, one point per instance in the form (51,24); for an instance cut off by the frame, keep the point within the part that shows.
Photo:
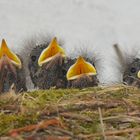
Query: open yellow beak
(138,74)
(50,52)
(81,67)
(5,51)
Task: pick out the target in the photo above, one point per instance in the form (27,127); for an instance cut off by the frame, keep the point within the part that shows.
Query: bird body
(130,68)
(131,75)
(83,82)
(11,70)
(51,74)
(46,65)
(82,74)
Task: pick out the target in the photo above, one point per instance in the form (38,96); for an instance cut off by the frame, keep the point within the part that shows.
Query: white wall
(99,23)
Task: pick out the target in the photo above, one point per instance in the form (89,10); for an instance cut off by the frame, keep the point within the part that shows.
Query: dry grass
(111,113)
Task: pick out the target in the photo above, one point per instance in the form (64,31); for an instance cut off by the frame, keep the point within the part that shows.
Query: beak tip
(3,42)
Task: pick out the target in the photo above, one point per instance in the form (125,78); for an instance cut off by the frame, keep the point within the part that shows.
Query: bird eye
(33,58)
(133,70)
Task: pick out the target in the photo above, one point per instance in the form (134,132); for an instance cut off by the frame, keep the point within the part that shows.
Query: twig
(75,116)
(63,131)
(116,132)
(50,137)
(102,124)
(122,119)
(42,125)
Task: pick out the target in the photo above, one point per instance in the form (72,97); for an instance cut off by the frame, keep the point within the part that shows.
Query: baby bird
(11,70)
(46,65)
(82,74)
(130,68)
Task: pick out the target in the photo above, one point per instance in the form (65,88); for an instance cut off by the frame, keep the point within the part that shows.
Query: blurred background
(95,24)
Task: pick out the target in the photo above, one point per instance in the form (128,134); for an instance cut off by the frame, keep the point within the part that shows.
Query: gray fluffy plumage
(85,80)
(53,73)
(9,75)
(129,66)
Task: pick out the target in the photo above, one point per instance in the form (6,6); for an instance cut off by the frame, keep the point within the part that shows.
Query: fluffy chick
(11,70)
(46,65)
(130,67)
(82,74)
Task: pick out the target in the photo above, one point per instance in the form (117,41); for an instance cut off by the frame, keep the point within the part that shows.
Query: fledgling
(46,65)
(82,74)
(130,67)
(11,70)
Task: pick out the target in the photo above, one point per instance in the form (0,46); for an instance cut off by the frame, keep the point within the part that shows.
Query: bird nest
(111,113)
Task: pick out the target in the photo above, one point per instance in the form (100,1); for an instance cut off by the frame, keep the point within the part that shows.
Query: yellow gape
(81,67)
(50,52)
(138,74)
(5,51)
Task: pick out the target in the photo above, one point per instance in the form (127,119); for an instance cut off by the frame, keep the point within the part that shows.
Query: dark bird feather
(83,82)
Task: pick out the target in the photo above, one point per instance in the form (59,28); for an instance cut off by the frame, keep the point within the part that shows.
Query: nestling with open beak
(11,70)
(82,74)
(130,67)
(46,65)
